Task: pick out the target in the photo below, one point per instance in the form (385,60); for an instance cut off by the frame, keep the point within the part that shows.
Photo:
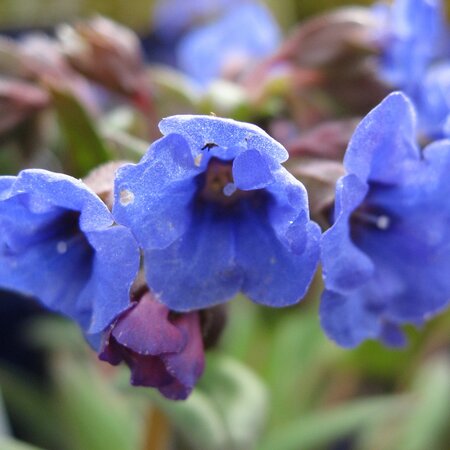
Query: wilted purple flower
(164,350)
(215,213)
(227,46)
(59,244)
(386,257)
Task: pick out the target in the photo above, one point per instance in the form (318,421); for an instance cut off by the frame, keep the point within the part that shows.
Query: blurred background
(274,381)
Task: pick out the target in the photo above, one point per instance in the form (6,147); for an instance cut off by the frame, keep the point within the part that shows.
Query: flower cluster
(141,255)
(211,209)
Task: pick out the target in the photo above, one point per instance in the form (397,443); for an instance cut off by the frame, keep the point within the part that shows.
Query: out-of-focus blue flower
(163,350)
(413,35)
(59,245)
(172,17)
(386,258)
(433,101)
(245,33)
(215,213)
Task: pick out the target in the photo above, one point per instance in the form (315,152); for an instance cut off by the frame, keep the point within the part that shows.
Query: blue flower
(59,244)
(247,32)
(386,258)
(215,213)
(413,36)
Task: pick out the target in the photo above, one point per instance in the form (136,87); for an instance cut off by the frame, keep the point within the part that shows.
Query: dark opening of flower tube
(216,186)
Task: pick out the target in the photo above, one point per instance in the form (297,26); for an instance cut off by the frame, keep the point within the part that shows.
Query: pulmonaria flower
(59,244)
(164,350)
(222,49)
(412,34)
(215,213)
(386,257)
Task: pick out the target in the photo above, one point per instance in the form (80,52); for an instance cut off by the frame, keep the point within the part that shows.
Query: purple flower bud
(163,349)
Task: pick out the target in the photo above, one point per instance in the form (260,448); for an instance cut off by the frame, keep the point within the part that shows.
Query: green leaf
(55,334)
(226,411)
(85,148)
(301,356)
(226,99)
(428,421)
(197,419)
(13,444)
(241,332)
(25,400)
(325,427)
(173,92)
(240,397)
(94,413)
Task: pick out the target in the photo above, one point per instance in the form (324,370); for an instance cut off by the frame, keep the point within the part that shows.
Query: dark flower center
(216,184)
(66,232)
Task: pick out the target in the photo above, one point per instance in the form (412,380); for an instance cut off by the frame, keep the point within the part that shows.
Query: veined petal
(153,198)
(384,141)
(54,233)
(345,266)
(347,319)
(273,275)
(114,268)
(226,133)
(198,270)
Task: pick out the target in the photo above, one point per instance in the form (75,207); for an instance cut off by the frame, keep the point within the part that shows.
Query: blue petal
(384,141)
(225,133)
(393,336)
(415,36)
(252,170)
(5,183)
(114,268)
(54,232)
(51,189)
(413,254)
(198,270)
(344,265)
(433,100)
(56,280)
(273,275)
(153,198)
(347,319)
(288,210)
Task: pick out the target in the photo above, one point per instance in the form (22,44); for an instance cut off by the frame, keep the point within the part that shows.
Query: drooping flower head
(59,244)
(386,257)
(215,213)
(163,350)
